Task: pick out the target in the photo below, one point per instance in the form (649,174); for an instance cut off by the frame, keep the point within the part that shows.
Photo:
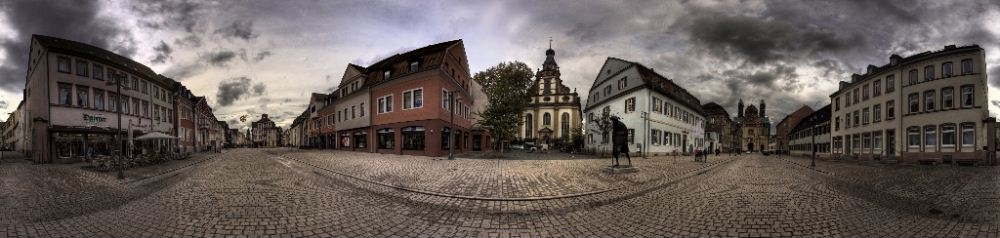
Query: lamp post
(451,109)
(116,79)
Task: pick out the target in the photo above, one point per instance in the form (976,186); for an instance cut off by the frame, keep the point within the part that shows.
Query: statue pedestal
(624,169)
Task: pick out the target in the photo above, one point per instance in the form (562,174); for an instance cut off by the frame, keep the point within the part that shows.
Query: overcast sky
(252,57)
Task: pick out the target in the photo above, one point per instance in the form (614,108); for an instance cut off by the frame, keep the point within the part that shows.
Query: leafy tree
(506,87)
(602,126)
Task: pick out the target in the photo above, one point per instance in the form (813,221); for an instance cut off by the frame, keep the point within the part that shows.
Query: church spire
(550,60)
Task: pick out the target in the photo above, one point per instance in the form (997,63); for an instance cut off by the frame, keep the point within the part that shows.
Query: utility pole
(117,81)
(451,109)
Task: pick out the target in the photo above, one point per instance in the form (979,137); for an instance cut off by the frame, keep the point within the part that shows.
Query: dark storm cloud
(219,58)
(163,52)
(238,29)
(179,14)
(234,89)
(761,41)
(73,20)
(191,41)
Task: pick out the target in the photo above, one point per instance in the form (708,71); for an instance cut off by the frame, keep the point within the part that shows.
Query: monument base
(624,169)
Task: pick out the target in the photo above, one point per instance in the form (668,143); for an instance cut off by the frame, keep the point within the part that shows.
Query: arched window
(528,123)
(547,119)
(564,121)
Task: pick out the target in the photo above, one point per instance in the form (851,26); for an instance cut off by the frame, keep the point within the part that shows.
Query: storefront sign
(94,118)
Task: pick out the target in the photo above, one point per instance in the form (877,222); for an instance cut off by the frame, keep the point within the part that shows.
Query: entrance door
(750,147)
(476,141)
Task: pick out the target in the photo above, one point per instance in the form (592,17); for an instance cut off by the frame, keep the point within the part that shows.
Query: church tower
(553,111)
(762,107)
(739,111)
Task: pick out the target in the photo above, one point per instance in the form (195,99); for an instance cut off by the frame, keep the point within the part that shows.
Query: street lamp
(116,79)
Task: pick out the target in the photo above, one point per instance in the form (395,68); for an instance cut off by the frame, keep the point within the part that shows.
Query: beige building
(929,106)
(554,111)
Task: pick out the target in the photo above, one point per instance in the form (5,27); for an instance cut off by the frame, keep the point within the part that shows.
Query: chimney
(855,77)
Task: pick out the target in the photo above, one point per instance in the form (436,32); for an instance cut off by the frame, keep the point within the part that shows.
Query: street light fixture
(116,80)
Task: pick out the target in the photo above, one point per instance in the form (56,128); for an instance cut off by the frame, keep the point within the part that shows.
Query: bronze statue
(619,140)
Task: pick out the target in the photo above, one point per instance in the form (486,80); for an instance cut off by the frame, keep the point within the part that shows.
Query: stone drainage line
(494,198)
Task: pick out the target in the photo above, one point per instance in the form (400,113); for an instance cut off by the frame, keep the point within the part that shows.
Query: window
(385,104)
(445,100)
(946,69)
(967,66)
(63,63)
(864,90)
(929,73)
(929,100)
(99,99)
(947,97)
(413,138)
(866,140)
(657,107)
(630,105)
(607,90)
(836,124)
(668,109)
(98,72)
(914,100)
(930,137)
(913,137)
(857,117)
(622,83)
(890,84)
(877,87)
(948,135)
(654,136)
(631,136)
(361,112)
(667,137)
(864,116)
(156,112)
(81,68)
(124,103)
(546,119)
(414,65)
(65,94)
(413,98)
(877,112)
(856,96)
(386,138)
(353,112)
(877,140)
(144,87)
(112,99)
(360,139)
(836,104)
(135,84)
(913,77)
(564,122)
(386,74)
(82,96)
(968,134)
(967,93)
(145,108)
(890,110)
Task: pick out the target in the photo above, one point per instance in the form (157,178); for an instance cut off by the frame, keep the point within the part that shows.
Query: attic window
(386,74)
(414,65)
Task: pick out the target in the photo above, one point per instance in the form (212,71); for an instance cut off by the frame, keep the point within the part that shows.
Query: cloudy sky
(252,57)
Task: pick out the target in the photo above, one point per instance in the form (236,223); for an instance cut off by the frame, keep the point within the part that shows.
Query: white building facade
(662,117)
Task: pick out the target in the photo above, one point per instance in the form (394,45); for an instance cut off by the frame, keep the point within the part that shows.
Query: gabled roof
(713,108)
(817,117)
(391,60)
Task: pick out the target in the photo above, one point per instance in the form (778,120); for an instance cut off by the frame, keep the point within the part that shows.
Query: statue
(619,140)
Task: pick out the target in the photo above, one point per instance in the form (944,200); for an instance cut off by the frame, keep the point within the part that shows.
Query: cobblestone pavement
(252,193)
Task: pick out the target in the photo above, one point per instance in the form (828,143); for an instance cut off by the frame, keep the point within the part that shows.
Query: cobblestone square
(322,193)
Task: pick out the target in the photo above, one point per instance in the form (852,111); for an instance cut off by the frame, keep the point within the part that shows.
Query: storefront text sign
(94,118)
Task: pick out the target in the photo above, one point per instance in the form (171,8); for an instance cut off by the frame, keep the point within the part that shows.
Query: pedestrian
(619,140)
(717,152)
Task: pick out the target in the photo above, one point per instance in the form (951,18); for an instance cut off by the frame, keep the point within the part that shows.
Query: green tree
(506,87)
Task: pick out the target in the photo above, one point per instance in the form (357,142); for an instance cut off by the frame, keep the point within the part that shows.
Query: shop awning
(155,136)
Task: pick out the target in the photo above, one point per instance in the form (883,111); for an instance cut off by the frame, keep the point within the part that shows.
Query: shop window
(413,138)
(445,139)
(360,139)
(386,138)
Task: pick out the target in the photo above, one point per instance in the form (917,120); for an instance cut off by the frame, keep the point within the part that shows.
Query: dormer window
(386,74)
(414,65)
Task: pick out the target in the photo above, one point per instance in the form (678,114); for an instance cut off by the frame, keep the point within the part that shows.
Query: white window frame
(384,104)
(413,98)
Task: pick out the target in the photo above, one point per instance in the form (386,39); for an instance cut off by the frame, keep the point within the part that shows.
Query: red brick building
(410,108)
